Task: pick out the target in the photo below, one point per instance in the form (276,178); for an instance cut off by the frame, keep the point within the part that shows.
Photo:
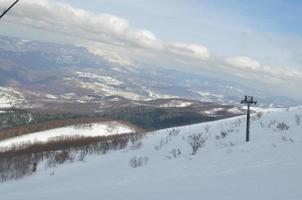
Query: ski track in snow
(269,167)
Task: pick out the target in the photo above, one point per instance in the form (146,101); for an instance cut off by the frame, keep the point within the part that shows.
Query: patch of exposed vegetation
(24,161)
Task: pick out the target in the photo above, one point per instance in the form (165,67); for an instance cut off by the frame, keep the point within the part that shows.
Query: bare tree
(136,162)
(196,142)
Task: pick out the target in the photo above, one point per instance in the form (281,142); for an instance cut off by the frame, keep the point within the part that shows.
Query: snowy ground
(226,168)
(9,97)
(93,130)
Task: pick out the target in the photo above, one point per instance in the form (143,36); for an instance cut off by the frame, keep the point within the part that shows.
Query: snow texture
(226,168)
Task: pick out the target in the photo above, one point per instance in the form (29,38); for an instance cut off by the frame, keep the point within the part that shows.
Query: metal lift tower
(248,100)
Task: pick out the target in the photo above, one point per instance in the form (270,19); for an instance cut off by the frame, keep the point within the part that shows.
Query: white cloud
(109,56)
(243,62)
(190,50)
(116,32)
(105,28)
(247,64)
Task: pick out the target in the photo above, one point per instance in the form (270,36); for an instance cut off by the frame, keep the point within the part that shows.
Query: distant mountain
(46,72)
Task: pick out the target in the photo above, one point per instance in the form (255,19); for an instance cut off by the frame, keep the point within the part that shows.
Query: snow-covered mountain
(10,97)
(161,165)
(47,72)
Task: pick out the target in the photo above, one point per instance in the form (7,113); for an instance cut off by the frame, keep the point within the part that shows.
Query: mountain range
(39,74)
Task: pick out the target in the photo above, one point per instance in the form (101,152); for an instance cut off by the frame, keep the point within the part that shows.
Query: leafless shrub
(175,153)
(136,137)
(223,134)
(196,142)
(35,165)
(231,130)
(284,139)
(259,115)
(136,162)
(81,155)
(174,133)
(207,128)
(282,126)
(287,139)
(16,167)
(137,145)
(298,120)
(271,123)
(163,142)
(59,157)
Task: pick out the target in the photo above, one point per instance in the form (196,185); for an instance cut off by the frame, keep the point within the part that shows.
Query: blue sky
(227,27)
(267,15)
(270,15)
(255,40)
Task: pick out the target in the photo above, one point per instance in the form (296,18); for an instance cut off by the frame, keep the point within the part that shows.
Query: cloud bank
(250,65)
(117,32)
(104,28)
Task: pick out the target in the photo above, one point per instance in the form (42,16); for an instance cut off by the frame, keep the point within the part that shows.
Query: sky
(258,41)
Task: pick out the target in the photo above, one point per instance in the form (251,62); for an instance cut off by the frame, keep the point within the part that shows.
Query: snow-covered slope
(225,168)
(9,97)
(88,130)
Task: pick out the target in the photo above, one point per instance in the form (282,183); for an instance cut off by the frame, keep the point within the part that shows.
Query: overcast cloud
(113,32)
